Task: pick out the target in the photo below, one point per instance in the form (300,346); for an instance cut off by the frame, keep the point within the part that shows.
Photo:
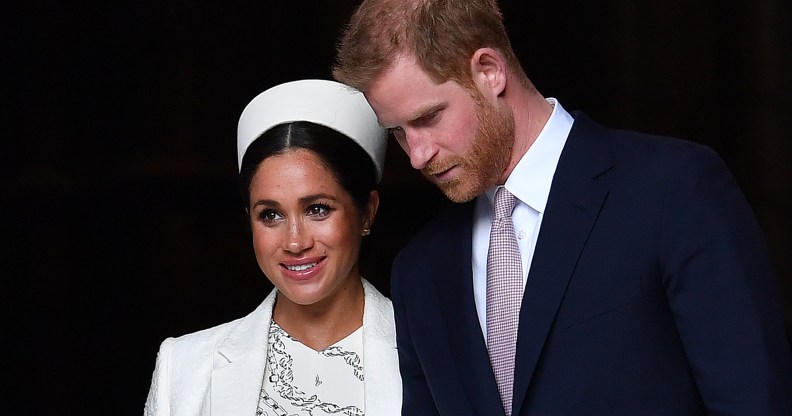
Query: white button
(521,235)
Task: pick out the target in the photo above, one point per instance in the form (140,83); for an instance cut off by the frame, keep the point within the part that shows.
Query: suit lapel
(455,292)
(575,200)
(239,364)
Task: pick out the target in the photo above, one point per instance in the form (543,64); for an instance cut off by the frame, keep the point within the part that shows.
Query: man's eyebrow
(421,112)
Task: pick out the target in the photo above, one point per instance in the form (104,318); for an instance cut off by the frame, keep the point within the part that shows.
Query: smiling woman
(323,342)
(306,233)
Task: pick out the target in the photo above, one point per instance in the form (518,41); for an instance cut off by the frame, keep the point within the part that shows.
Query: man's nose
(419,148)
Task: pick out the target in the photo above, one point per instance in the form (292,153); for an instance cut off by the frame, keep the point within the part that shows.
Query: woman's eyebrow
(314,197)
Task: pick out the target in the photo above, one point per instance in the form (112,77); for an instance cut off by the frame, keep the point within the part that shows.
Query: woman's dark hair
(351,166)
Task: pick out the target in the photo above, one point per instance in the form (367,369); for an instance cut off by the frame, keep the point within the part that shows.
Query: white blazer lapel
(239,364)
(382,385)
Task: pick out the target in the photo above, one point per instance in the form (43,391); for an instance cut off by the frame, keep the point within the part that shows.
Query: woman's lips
(303,269)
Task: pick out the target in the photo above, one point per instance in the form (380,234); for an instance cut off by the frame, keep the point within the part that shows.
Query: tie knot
(504,203)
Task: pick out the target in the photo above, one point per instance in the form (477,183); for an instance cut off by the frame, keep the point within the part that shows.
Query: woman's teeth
(301,267)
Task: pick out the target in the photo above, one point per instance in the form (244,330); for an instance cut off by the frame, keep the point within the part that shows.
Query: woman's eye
(318,210)
(269,215)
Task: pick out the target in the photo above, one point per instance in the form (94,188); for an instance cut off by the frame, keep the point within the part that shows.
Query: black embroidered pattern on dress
(281,377)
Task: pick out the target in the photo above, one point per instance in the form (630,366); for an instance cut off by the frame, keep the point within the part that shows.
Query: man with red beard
(585,270)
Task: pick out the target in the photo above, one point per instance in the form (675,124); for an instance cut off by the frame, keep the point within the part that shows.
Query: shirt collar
(531,179)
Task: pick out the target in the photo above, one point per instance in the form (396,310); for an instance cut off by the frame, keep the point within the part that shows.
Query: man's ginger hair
(442,35)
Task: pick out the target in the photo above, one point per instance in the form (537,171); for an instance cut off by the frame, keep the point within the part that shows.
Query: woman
(323,341)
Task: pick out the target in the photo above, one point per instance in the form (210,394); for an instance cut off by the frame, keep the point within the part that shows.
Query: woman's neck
(323,324)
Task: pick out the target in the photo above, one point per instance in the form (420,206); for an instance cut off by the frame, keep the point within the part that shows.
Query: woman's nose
(297,237)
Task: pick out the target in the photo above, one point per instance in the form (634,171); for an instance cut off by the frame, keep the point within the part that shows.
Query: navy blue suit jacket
(650,293)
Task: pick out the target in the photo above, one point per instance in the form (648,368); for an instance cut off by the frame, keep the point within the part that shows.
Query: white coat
(218,371)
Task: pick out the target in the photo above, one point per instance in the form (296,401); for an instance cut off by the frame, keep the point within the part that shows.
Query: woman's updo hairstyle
(328,118)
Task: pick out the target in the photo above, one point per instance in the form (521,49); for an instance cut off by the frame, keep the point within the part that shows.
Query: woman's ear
(488,70)
(371,209)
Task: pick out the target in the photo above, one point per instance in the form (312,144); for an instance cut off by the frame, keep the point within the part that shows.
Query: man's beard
(489,155)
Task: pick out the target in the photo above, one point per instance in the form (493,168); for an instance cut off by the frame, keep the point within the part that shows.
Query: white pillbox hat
(328,103)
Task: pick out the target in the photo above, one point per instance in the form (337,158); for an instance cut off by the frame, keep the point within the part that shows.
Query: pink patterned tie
(504,293)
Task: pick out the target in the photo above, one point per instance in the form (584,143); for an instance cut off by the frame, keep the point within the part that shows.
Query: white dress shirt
(530,182)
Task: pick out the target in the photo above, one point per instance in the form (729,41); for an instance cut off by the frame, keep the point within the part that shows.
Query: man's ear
(488,69)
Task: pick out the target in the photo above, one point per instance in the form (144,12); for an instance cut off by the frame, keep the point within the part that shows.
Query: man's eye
(397,133)
(428,118)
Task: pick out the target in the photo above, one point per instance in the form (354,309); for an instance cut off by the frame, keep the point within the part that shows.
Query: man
(637,282)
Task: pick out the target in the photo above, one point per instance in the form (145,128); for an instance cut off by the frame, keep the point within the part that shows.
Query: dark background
(121,222)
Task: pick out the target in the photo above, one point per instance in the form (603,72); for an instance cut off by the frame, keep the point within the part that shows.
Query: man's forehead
(402,92)
(401,107)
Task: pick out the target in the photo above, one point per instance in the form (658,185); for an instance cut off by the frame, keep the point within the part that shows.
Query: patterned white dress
(300,381)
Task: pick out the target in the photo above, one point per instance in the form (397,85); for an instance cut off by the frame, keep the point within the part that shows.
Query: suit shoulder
(665,158)
(633,141)
(195,344)
(435,233)
(449,233)
(642,146)
(658,156)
